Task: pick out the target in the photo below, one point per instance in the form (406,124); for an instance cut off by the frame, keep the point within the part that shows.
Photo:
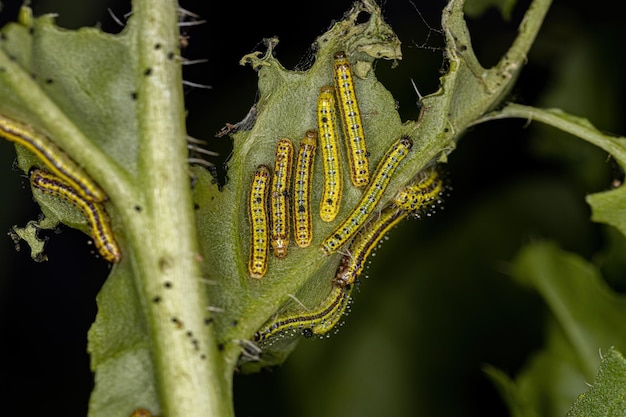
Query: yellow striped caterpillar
(100,229)
(317,322)
(279,198)
(370,197)
(331,157)
(351,120)
(409,200)
(259,227)
(302,221)
(57,161)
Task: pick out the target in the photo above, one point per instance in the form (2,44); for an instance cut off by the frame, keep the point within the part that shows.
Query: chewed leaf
(287,108)
(71,89)
(159,340)
(30,234)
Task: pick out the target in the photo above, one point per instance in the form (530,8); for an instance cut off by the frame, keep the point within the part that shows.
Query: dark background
(438,303)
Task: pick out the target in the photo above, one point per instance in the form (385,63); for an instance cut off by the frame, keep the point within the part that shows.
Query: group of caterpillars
(270,228)
(66,180)
(276,187)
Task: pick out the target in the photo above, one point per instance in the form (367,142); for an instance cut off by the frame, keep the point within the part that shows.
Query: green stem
(510,64)
(472,97)
(164,247)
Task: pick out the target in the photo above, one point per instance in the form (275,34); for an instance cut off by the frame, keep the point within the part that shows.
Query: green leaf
(607,395)
(120,351)
(85,79)
(609,207)
(69,85)
(30,234)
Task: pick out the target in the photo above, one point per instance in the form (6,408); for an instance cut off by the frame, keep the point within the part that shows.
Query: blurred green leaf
(517,402)
(589,313)
(476,8)
(579,84)
(612,259)
(549,382)
(587,319)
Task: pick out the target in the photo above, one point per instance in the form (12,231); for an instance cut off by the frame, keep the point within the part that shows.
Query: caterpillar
(351,120)
(331,158)
(409,200)
(100,229)
(57,161)
(370,197)
(259,227)
(317,322)
(421,193)
(302,221)
(279,198)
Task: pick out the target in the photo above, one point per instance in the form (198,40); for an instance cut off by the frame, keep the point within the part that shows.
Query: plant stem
(162,236)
